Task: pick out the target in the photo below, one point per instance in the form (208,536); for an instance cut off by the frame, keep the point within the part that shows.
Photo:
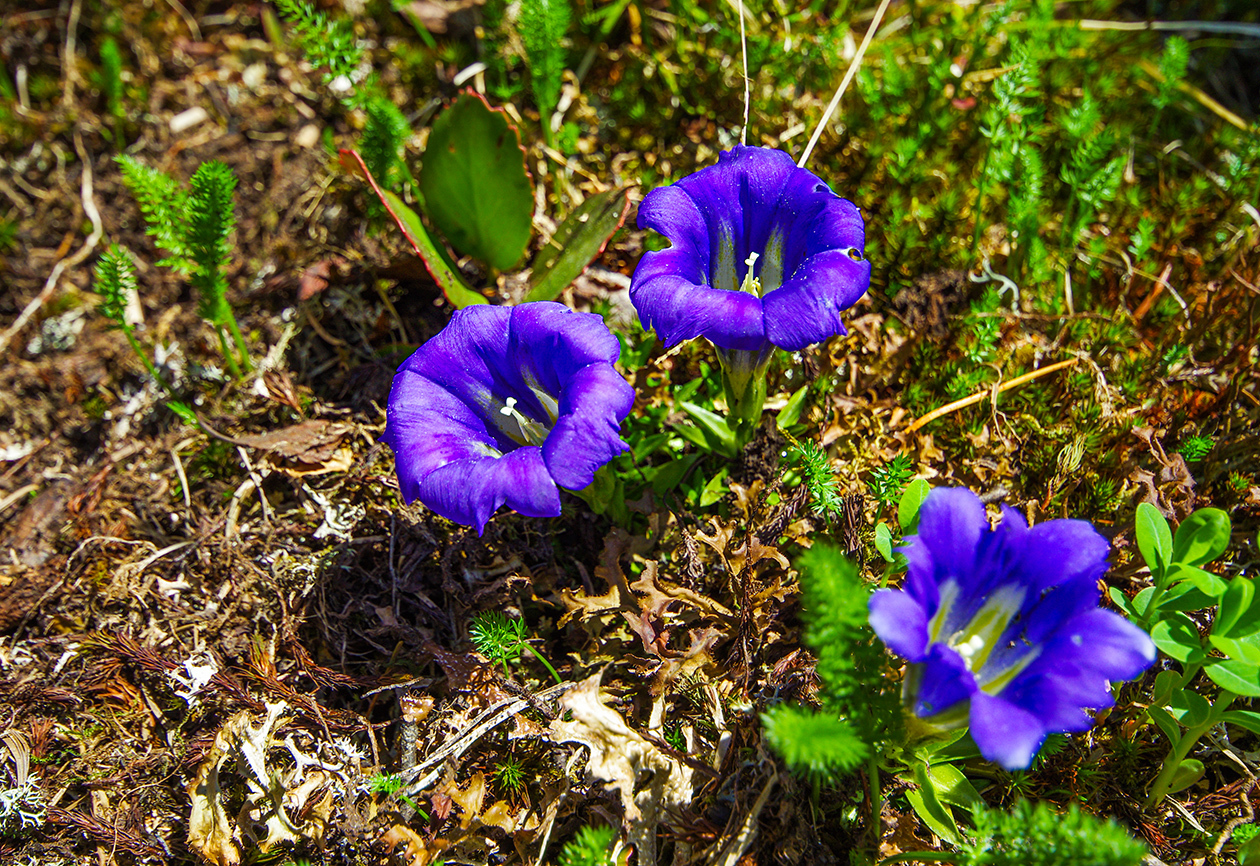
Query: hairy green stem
(1163,782)
(239,339)
(144,359)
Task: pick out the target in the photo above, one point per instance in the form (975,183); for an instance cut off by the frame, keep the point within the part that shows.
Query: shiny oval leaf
(1177,637)
(475,185)
(911,501)
(1190,771)
(1154,538)
(1201,537)
(1240,678)
(1204,581)
(1236,604)
(883,541)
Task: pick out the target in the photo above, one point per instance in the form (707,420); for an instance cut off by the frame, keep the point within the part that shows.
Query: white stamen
(752,285)
(509,407)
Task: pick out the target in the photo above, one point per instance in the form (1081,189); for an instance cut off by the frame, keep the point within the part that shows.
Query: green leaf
(1249,851)
(791,411)
(1166,723)
(1245,650)
(1190,771)
(1162,690)
(577,242)
(929,807)
(1235,604)
(954,788)
(1204,581)
(475,185)
(1184,596)
(185,413)
(1201,537)
(911,501)
(1177,636)
(1154,538)
(1246,719)
(1239,677)
(669,475)
(715,489)
(1190,708)
(717,432)
(1143,599)
(1120,600)
(883,541)
(408,221)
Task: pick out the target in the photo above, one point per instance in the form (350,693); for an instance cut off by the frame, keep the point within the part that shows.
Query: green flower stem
(1159,788)
(877,801)
(546,663)
(744,383)
(144,358)
(239,339)
(227,354)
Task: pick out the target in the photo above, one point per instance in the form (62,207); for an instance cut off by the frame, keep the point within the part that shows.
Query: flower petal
(951,523)
(1005,733)
(945,683)
(1111,646)
(807,308)
(900,622)
(588,433)
(470,491)
(427,428)
(679,310)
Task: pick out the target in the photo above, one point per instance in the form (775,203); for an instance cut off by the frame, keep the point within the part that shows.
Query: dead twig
(990,392)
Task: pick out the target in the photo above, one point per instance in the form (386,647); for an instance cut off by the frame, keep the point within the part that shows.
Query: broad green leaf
(911,501)
(1119,599)
(1162,690)
(930,809)
(1190,771)
(452,286)
(791,411)
(1190,708)
(1238,650)
(717,432)
(577,242)
(715,489)
(1235,604)
(1201,537)
(954,788)
(1185,596)
(1249,852)
(475,185)
(668,476)
(1142,600)
(1166,723)
(1154,538)
(1239,677)
(1204,581)
(1246,719)
(883,541)
(1177,637)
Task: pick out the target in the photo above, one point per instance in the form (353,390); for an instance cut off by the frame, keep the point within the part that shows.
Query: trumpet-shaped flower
(1002,627)
(505,406)
(763,254)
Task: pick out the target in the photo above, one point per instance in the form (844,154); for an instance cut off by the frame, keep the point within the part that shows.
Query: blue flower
(505,406)
(763,254)
(1002,627)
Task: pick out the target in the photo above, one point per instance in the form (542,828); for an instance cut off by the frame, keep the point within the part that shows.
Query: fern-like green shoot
(1037,835)
(543,25)
(887,482)
(816,743)
(592,846)
(498,637)
(1172,68)
(210,223)
(111,76)
(328,43)
(381,146)
(165,207)
(115,281)
(818,477)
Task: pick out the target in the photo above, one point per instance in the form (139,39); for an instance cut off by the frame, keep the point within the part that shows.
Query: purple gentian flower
(1002,627)
(763,254)
(505,406)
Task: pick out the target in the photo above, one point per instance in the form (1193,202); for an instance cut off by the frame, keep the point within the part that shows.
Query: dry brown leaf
(622,757)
